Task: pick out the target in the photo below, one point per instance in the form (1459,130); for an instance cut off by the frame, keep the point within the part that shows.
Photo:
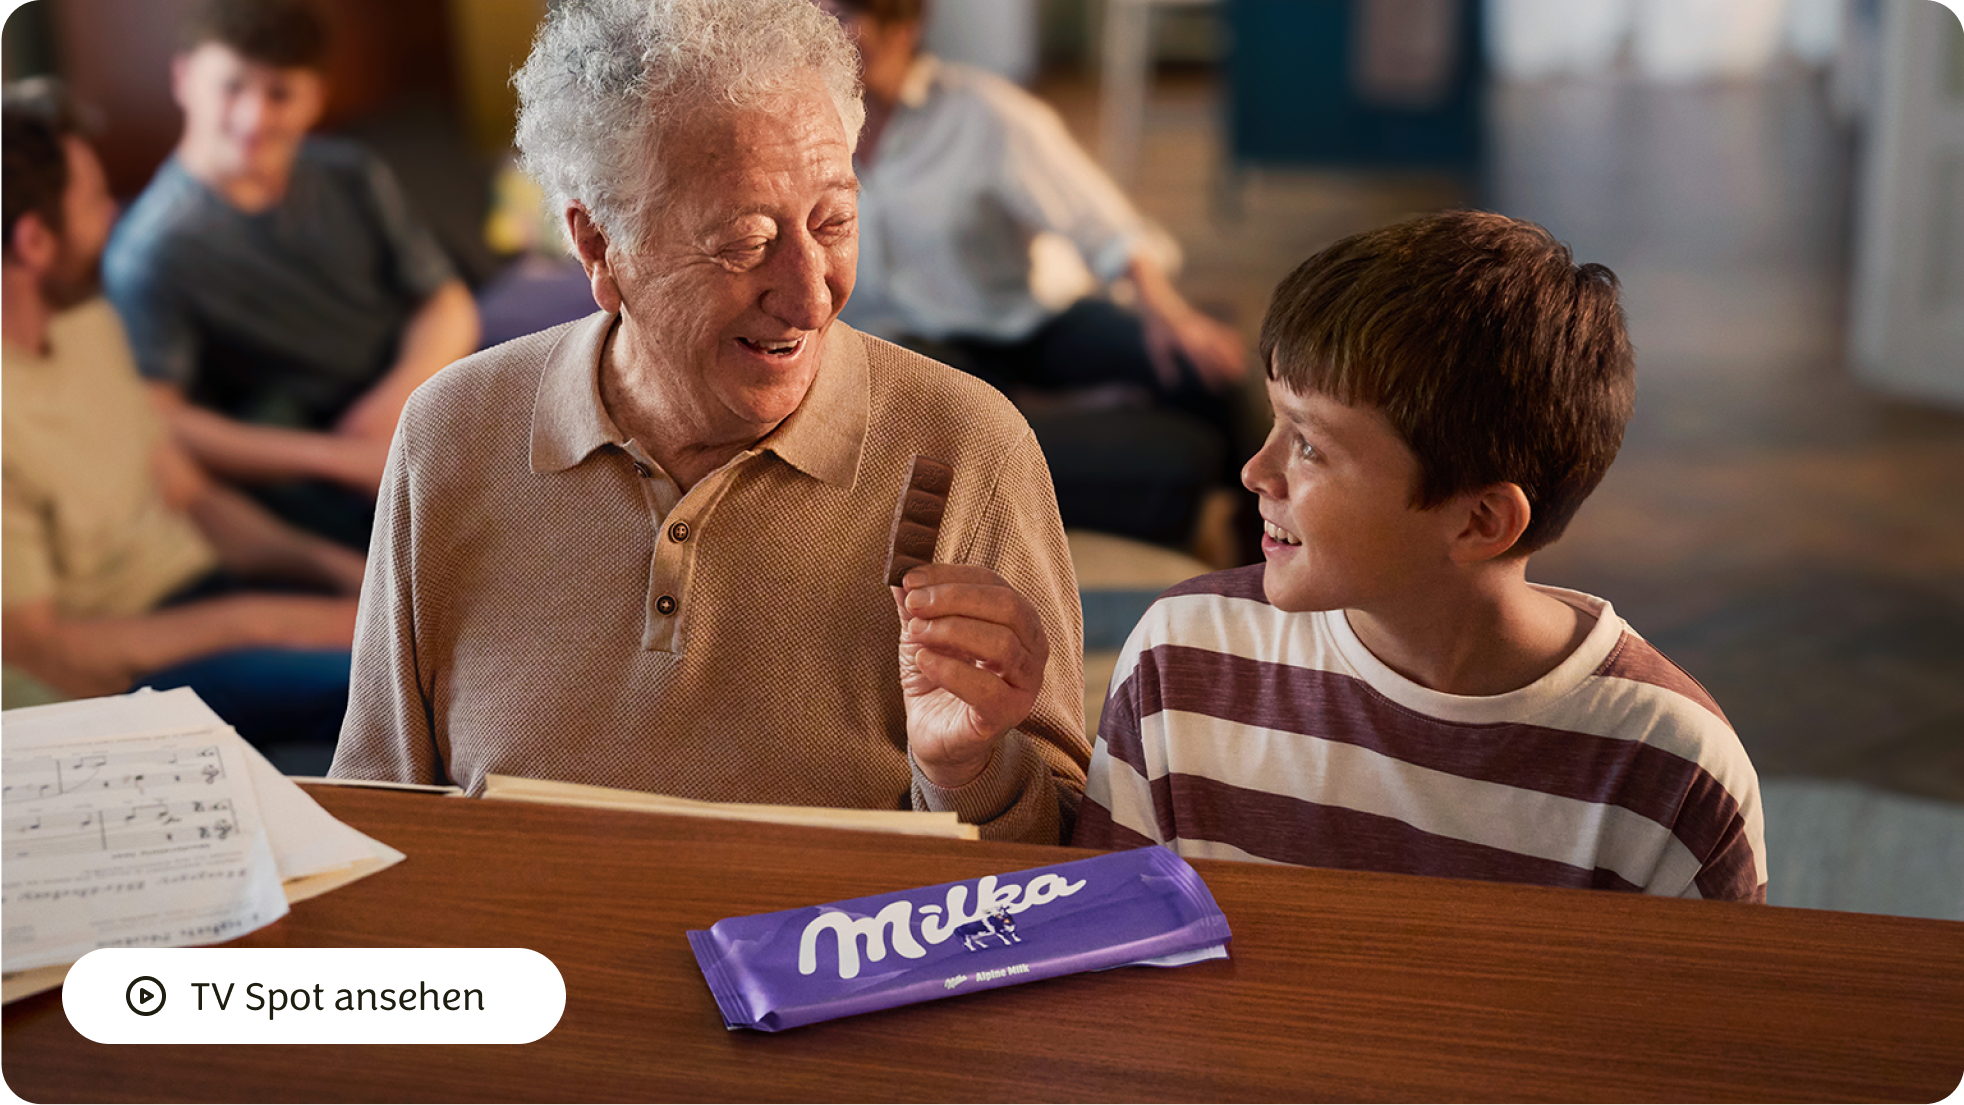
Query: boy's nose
(1256,475)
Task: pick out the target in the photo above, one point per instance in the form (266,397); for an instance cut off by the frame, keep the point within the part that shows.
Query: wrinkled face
(747,263)
(87,213)
(1339,530)
(242,117)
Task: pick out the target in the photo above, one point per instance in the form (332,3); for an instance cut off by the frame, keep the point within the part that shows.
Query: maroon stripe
(1096,829)
(1714,830)
(1636,776)
(1118,726)
(1290,830)
(1709,821)
(1235,583)
(1633,658)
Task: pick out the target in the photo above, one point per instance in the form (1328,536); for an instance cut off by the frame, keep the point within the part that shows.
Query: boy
(1387,691)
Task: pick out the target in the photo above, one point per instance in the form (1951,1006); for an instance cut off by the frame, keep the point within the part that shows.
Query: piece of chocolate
(917,517)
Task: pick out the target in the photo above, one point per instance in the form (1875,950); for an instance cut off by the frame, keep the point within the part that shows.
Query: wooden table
(1342,985)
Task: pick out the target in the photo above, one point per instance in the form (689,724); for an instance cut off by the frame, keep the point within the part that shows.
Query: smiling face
(243,118)
(1339,528)
(727,307)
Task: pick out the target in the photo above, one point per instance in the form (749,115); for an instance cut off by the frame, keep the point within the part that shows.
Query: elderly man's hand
(972,654)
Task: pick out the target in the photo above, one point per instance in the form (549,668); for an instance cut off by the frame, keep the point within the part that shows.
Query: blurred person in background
(124,563)
(278,291)
(960,172)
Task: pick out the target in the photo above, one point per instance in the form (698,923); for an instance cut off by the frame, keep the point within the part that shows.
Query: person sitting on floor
(278,291)
(124,563)
(961,172)
(1388,691)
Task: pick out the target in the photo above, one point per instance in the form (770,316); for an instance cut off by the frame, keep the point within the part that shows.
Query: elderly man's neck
(678,438)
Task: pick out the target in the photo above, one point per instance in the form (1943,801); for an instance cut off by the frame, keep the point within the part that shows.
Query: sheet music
(306,839)
(37,778)
(142,841)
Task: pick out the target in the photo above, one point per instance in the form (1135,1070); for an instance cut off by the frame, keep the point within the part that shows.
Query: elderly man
(645,549)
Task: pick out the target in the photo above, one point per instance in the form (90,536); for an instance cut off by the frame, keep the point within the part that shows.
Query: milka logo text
(895,923)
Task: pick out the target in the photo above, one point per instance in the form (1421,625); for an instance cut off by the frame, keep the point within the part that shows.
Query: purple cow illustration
(998,923)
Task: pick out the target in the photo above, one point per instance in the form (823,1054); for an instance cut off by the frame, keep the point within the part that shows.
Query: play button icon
(145,996)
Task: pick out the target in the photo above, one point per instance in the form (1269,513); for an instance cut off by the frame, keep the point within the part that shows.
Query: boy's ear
(1494,517)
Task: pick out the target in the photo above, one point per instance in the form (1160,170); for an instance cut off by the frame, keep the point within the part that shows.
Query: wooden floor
(1790,537)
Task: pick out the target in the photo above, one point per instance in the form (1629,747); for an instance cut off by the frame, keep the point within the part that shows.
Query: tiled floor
(1791,538)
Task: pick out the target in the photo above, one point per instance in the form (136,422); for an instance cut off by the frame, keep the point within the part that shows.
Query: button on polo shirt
(672,568)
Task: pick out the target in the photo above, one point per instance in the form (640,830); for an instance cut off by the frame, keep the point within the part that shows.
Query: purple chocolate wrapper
(773,971)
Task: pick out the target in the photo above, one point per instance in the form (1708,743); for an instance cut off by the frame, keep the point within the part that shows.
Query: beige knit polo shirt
(541,601)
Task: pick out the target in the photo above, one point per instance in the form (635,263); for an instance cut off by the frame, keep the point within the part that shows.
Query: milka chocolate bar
(774,971)
(917,517)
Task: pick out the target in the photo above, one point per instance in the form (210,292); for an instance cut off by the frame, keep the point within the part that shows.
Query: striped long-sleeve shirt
(1235,730)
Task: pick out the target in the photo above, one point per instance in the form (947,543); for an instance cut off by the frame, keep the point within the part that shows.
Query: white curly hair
(606,77)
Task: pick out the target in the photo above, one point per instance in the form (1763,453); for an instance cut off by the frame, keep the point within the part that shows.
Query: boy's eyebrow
(1328,438)
(1301,418)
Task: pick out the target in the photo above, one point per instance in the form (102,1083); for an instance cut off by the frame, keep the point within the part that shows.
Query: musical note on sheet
(117,829)
(38,778)
(115,841)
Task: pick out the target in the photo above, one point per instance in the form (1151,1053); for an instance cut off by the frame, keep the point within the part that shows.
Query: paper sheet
(147,841)
(306,839)
(908,822)
(144,820)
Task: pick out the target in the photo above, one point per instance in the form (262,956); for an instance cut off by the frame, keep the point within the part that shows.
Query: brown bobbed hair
(284,34)
(1493,354)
